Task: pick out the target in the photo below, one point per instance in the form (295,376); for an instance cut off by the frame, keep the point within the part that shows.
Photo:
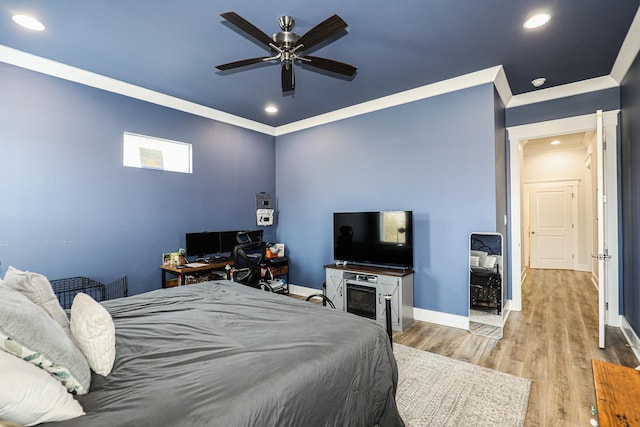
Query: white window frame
(148,152)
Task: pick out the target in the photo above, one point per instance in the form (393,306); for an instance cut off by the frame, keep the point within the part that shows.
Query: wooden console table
(617,394)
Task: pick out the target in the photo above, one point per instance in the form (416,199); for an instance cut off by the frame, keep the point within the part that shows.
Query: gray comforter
(223,354)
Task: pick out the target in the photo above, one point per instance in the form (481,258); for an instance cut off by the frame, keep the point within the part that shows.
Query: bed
(219,353)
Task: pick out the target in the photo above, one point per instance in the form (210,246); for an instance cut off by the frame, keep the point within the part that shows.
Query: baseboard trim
(440,318)
(303,291)
(630,335)
(507,311)
(437,317)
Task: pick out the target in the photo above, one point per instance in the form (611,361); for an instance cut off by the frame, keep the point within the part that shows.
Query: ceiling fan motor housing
(285,39)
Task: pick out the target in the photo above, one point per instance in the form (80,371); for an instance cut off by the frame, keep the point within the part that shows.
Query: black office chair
(248,260)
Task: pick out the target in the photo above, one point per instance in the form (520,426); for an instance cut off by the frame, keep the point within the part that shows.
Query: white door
(603,252)
(551,227)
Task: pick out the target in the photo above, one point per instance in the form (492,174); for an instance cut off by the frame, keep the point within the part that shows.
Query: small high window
(147,152)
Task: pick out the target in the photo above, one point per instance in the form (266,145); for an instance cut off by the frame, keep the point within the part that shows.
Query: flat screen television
(201,244)
(380,238)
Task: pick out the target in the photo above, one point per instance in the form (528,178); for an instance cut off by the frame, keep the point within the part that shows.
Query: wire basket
(66,289)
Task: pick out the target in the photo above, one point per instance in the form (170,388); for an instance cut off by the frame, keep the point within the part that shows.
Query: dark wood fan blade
(288,77)
(331,65)
(237,64)
(247,27)
(327,28)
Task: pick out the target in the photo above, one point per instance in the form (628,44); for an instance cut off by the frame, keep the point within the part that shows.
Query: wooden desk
(183,272)
(617,394)
(277,269)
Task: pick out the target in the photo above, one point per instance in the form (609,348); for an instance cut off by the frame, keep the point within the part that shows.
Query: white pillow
(28,332)
(481,254)
(37,288)
(490,261)
(474,261)
(94,333)
(29,395)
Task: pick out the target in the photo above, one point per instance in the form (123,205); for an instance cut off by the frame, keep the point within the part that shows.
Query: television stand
(361,290)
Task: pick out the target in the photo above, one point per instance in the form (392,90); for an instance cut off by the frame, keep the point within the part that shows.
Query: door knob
(533,232)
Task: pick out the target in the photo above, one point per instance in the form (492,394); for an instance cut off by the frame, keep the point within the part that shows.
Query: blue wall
(69,207)
(630,159)
(435,157)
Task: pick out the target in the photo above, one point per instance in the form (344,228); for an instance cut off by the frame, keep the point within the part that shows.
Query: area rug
(435,390)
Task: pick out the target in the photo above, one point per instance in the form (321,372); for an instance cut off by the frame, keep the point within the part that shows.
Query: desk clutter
(240,256)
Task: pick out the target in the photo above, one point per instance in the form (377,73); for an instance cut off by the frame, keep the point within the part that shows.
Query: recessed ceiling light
(536,21)
(538,82)
(28,22)
(555,142)
(271,109)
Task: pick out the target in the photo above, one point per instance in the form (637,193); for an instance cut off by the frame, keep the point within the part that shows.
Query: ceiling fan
(287,47)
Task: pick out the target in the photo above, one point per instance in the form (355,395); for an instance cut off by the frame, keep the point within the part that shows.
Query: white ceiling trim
(67,72)
(487,75)
(502,86)
(628,51)
(570,89)
(626,56)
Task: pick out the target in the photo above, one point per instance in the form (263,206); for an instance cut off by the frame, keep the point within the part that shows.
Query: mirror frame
(488,325)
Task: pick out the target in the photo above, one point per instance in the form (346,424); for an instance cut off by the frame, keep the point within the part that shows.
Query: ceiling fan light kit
(287,47)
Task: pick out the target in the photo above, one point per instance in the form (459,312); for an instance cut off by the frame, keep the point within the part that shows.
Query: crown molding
(77,75)
(496,75)
(628,51)
(476,78)
(502,86)
(570,89)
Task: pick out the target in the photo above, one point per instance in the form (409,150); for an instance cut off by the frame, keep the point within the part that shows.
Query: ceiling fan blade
(327,28)
(247,27)
(330,65)
(288,77)
(241,63)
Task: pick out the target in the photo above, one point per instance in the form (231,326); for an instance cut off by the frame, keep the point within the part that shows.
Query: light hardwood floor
(551,341)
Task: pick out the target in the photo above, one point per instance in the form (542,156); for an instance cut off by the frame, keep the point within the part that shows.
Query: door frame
(575,218)
(517,137)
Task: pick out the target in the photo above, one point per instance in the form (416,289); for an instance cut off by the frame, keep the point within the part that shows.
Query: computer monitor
(227,241)
(201,244)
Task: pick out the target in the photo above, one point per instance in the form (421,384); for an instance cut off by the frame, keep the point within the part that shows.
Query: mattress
(223,354)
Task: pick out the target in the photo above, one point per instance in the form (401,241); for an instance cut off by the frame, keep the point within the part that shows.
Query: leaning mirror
(485,284)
